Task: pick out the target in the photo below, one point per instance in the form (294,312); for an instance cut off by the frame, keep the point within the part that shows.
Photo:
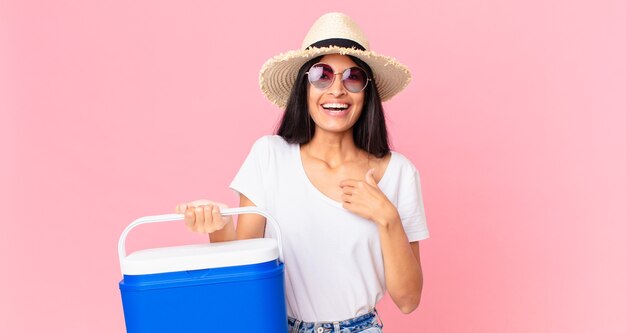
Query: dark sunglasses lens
(321,76)
(354,79)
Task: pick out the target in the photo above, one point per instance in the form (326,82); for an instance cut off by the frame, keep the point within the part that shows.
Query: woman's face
(335,109)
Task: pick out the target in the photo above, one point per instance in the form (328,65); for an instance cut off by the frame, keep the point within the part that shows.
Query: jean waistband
(353,324)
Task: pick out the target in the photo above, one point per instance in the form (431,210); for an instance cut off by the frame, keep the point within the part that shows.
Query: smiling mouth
(335,107)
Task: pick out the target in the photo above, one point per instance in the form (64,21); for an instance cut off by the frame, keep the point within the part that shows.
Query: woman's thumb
(369,177)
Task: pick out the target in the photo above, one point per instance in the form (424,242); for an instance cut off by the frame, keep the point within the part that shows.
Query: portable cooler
(235,286)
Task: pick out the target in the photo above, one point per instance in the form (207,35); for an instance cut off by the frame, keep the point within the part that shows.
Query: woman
(350,210)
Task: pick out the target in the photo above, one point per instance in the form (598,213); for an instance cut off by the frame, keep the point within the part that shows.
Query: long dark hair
(369,131)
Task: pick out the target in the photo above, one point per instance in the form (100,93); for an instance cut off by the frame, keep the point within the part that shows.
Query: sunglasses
(322,76)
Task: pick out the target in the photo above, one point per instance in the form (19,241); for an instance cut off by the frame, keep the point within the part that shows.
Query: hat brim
(278,74)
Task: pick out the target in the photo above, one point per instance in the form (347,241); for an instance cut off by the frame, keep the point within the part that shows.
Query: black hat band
(340,42)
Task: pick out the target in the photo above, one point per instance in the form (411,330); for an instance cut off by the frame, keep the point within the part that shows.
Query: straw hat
(331,33)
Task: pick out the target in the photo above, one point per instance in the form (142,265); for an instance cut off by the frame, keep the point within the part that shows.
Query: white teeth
(335,106)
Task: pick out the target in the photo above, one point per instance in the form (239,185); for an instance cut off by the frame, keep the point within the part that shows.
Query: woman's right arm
(249,225)
(203,216)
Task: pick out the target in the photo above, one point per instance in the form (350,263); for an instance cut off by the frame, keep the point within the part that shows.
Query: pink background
(516,118)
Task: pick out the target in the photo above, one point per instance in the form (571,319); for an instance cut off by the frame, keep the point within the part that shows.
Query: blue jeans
(367,323)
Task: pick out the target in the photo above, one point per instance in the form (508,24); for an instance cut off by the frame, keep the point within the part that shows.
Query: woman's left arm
(403,271)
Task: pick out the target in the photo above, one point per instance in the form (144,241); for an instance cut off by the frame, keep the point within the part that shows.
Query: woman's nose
(337,88)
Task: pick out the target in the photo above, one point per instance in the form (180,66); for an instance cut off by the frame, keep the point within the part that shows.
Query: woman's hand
(364,198)
(203,216)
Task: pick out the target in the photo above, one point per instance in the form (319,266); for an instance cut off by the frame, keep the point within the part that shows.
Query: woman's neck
(333,148)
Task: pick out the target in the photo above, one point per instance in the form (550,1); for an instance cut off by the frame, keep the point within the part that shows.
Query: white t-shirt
(333,258)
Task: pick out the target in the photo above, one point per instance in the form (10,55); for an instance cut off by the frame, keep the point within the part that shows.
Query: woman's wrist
(389,217)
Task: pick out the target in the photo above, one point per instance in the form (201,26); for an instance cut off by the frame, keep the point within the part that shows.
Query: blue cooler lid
(200,256)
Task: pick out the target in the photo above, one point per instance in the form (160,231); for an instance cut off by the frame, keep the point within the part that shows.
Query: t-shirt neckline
(319,193)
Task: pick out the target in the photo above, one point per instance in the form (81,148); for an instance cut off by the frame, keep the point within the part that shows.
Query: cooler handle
(121,245)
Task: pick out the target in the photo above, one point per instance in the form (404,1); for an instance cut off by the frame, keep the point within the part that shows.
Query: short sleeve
(249,180)
(411,207)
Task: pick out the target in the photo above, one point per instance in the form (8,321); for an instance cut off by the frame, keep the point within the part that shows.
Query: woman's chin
(335,127)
